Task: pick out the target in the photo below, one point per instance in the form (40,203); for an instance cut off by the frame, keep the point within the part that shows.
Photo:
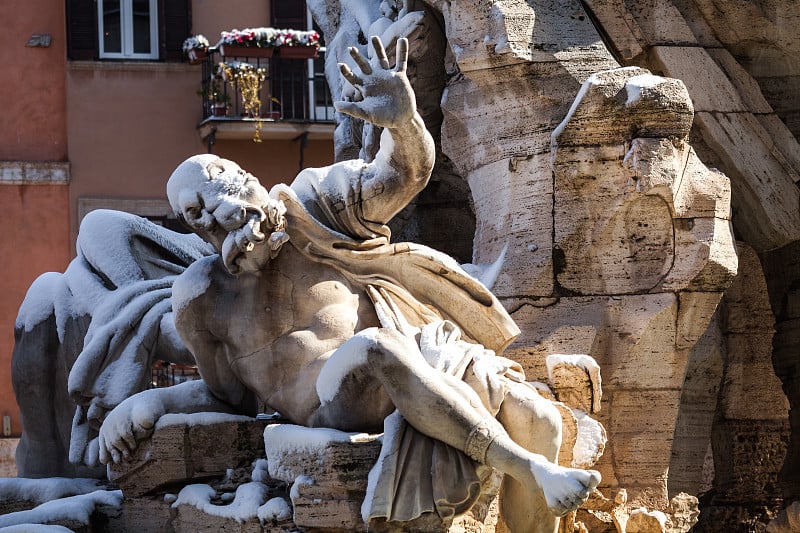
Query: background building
(102,105)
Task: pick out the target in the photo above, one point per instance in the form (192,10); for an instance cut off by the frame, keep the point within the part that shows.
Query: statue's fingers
(115,455)
(362,63)
(380,52)
(404,10)
(350,76)
(104,456)
(351,108)
(402,55)
(130,440)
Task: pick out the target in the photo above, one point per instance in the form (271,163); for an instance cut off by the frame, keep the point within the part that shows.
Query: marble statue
(87,338)
(309,310)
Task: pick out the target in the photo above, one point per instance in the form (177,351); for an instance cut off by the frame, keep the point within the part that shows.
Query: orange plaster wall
(129,126)
(35,240)
(210,17)
(34,218)
(275,161)
(32,124)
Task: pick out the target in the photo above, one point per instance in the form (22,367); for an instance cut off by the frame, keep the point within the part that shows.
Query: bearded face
(229,208)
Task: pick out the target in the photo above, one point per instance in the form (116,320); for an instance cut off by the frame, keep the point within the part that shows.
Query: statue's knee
(391,347)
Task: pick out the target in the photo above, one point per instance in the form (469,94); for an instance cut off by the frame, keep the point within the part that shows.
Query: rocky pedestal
(201,473)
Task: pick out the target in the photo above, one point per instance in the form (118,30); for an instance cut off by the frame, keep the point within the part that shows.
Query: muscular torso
(273,331)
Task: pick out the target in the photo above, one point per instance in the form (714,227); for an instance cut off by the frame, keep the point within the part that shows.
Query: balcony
(294,95)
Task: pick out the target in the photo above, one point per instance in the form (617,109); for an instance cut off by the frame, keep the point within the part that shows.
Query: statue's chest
(283,304)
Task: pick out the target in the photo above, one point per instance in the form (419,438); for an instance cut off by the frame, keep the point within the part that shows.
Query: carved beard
(244,249)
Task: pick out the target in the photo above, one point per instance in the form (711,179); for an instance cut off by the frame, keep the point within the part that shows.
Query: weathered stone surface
(331,458)
(689,469)
(523,237)
(788,521)
(640,212)
(644,521)
(184,448)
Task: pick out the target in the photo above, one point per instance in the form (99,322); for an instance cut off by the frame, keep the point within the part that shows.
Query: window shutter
(82,29)
(175,27)
(288,14)
(289,76)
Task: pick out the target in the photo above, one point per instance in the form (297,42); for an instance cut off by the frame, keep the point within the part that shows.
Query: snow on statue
(308,308)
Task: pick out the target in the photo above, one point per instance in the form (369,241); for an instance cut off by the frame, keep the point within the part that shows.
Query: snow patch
(347,357)
(590,442)
(244,506)
(199,419)
(275,509)
(192,283)
(634,87)
(294,492)
(74,508)
(260,471)
(487,273)
(36,528)
(44,490)
(658,515)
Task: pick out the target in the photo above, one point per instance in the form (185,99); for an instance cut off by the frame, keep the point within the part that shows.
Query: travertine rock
(184,449)
(788,521)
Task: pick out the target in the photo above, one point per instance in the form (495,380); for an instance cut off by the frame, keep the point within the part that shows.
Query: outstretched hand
(131,421)
(383,94)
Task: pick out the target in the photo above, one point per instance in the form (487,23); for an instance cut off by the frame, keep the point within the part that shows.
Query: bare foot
(565,489)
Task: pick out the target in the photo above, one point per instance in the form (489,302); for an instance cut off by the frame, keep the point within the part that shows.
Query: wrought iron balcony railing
(290,90)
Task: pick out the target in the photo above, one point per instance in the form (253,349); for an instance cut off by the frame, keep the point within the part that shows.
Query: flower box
(298,52)
(197,55)
(228,50)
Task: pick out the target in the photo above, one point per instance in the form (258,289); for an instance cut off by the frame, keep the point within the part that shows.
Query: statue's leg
(444,408)
(535,424)
(40,452)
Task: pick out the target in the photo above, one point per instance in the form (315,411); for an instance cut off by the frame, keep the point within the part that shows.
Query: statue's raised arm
(405,159)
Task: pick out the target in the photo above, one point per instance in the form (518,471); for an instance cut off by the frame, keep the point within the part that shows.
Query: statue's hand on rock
(131,421)
(383,95)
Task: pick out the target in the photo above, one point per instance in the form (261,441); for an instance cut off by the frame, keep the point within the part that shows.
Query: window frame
(126,32)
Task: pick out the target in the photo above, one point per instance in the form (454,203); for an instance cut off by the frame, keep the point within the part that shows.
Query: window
(128,28)
(302,90)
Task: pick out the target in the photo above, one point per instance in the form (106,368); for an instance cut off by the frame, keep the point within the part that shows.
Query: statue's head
(227,207)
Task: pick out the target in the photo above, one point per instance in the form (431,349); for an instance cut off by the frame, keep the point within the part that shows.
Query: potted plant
(215,99)
(249,80)
(196,48)
(250,42)
(295,44)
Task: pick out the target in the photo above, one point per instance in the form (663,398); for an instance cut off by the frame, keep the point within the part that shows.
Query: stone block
(146,515)
(747,308)
(762,179)
(485,35)
(329,457)
(709,86)
(632,338)
(660,22)
(326,507)
(695,313)
(190,519)
(189,447)
(620,26)
(751,390)
(641,429)
(513,202)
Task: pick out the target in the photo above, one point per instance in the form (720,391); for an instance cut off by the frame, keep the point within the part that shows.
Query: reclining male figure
(285,316)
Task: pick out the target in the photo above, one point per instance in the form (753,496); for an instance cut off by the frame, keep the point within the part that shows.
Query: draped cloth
(122,278)
(460,324)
